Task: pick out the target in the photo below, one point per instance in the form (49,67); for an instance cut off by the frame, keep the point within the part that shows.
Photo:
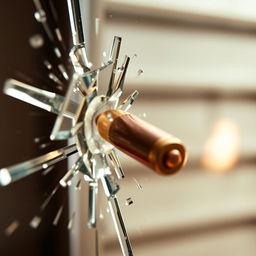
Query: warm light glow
(222,147)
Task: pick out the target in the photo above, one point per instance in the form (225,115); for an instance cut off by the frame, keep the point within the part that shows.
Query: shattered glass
(90,92)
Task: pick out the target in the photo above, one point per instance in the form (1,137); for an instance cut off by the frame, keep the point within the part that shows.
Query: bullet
(162,152)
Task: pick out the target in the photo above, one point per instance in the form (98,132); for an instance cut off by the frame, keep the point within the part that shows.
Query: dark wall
(21,123)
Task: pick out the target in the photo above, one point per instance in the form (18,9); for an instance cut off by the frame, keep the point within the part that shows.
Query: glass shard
(35,222)
(57,52)
(63,71)
(75,20)
(76,128)
(44,145)
(48,199)
(40,98)
(45,172)
(109,185)
(61,129)
(128,201)
(57,217)
(55,79)
(71,221)
(93,191)
(11,228)
(79,59)
(114,58)
(36,41)
(66,180)
(78,185)
(119,225)
(58,34)
(137,183)
(116,164)
(121,77)
(140,71)
(41,17)
(18,171)
(47,64)
(127,103)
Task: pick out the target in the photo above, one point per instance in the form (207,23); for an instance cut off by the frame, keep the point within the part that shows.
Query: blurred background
(194,64)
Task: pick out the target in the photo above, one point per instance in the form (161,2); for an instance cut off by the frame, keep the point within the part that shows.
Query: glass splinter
(66,180)
(36,41)
(35,222)
(54,78)
(44,145)
(57,217)
(63,71)
(110,189)
(120,227)
(137,183)
(40,16)
(93,191)
(71,221)
(127,103)
(47,64)
(58,34)
(140,71)
(78,185)
(117,165)
(11,228)
(57,52)
(128,201)
(46,100)
(45,172)
(75,22)
(121,77)
(71,121)
(114,58)
(48,199)
(58,132)
(16,172)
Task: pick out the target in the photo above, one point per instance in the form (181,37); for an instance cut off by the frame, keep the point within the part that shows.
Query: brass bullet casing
(162,152)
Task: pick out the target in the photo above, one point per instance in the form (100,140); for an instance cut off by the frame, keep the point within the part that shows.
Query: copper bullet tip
(172,158)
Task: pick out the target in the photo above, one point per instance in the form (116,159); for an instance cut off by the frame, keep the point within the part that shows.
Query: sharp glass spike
(11,228)
(57,217)
(114,58)
(127,103)
(78,185)
(75,21)
(121,77)
(46,100)
(41,17)
(63,71)
(66,180)
(79,59)
(71,221)
(59,131)
(93,191)
(119,225)
(18,171)
(35,222)
(49,197)
(45,172)
(116,163)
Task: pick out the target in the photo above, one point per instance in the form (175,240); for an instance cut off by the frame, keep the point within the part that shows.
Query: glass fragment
(16,172)
(11,228)
(57,217)
(35,222)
